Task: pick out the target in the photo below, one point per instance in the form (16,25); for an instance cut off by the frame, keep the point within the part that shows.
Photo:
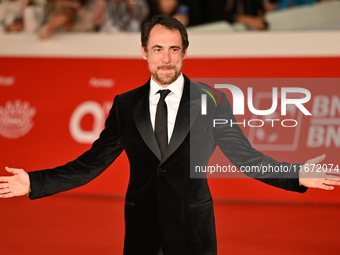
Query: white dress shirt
(172,101)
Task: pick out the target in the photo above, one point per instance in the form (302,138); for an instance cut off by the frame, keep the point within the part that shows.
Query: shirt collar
(176,87)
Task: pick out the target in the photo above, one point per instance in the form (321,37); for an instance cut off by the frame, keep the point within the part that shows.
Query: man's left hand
(321,178)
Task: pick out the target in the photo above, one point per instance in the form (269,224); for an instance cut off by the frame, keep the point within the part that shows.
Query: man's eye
(157,50)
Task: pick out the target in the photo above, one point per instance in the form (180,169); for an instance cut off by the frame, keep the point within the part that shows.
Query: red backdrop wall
(43,99)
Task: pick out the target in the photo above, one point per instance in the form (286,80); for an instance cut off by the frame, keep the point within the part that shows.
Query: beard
(165,79)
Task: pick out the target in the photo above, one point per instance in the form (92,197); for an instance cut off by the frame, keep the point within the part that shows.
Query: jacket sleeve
(240,152)
(86,167)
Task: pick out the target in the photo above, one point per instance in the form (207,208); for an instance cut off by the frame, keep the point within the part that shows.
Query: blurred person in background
(247,12)
(173,8)
(11,16)
(120,15)
(270,5)
(197,11)
(34,15)
(99,13)
(283,4)
(68,15)
(21,15)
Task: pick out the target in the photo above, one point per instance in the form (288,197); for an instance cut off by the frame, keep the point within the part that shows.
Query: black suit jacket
(164,206)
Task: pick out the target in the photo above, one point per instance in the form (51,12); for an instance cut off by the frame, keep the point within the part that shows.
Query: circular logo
(16,119)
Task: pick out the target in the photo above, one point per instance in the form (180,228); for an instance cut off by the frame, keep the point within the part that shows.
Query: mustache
(166,67)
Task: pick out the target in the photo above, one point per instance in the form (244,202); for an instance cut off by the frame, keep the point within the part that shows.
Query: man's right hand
(16,185)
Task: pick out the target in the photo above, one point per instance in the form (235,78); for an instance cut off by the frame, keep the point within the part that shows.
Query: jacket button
(161,170)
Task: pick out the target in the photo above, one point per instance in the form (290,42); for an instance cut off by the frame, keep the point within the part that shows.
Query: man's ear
(143,52)
(185,53)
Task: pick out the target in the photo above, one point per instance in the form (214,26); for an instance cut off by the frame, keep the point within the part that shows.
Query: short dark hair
(165,21)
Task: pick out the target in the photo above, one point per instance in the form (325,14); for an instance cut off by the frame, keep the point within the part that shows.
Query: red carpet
(66,224)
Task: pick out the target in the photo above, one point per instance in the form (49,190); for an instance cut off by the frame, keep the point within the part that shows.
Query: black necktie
(161,121)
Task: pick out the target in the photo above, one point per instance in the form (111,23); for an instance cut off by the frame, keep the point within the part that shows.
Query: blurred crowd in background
(45,17)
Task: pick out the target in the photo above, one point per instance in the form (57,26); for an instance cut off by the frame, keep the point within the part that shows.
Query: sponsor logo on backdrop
(101,82)
(265,137)
(324,129)
(7,81)
(16,119)
(97,111)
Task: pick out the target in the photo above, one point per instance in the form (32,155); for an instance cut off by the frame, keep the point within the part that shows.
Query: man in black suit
(166,211)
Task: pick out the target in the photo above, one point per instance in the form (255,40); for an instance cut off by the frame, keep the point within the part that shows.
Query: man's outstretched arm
(19,183)
(74,174)
(16,185)
(240,152)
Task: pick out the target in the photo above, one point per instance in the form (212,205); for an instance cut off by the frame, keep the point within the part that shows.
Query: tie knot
(163,93)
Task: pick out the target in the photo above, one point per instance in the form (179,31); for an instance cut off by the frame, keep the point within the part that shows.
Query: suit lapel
(143,121)
(187,112)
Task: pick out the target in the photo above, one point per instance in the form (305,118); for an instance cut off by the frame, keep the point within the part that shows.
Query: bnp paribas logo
(16,119)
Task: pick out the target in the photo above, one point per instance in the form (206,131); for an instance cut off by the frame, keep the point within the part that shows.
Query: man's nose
(166,57)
